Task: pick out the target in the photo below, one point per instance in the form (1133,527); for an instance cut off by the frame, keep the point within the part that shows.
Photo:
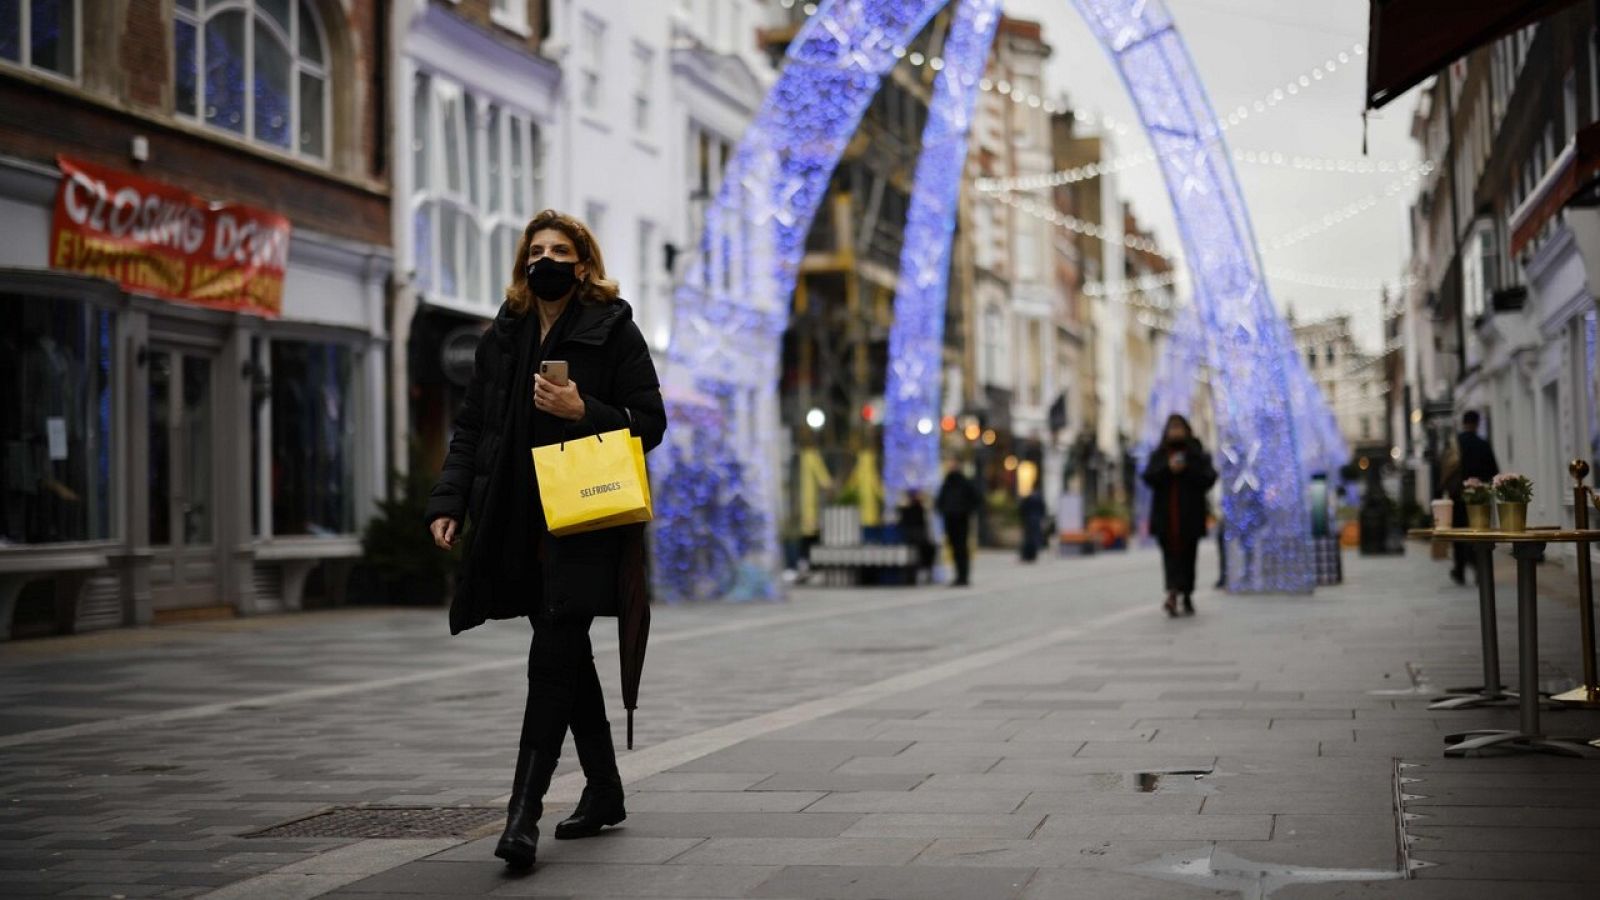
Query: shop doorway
(185,569)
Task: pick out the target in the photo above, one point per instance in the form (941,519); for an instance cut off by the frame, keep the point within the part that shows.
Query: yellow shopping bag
(593,483)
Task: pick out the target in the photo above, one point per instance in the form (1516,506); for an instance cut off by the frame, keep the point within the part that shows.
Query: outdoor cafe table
(1526,547)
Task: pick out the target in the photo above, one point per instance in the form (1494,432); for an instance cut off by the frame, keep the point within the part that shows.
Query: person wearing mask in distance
(1179,473)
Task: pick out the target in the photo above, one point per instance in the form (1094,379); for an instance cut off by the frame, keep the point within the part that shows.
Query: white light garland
(1292,87)
(1079,226)
(1350,210)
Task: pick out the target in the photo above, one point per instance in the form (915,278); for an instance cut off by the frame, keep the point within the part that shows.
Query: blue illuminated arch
(717,495)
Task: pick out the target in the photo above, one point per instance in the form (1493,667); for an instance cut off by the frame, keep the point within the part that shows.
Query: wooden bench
(1081,541)
(297,557)
(18,569)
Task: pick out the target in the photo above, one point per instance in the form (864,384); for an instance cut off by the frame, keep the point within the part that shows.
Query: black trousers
(956,530)
(563,687)
(1177,562)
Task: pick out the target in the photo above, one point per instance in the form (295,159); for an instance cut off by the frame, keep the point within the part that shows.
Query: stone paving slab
(1049,772)
(896,883)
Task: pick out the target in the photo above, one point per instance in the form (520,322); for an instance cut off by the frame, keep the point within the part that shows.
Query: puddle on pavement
(1159,781)
(1220,870)
(1177,781)
(1419,684)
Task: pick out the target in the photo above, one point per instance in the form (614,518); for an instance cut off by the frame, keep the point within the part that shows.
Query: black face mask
(551,279)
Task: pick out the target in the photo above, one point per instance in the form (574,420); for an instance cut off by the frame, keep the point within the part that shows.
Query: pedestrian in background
(958,499)
(1031,512)
(1179,473)
(913,522)
(1474,459)
(559,307)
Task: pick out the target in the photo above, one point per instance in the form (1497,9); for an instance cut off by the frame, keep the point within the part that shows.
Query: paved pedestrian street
(1047,733)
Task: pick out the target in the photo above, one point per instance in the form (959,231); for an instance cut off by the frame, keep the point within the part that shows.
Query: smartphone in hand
(554,371)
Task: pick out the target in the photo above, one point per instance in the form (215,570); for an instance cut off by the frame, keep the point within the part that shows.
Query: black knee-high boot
(544,725)
(602,801)
(519,844)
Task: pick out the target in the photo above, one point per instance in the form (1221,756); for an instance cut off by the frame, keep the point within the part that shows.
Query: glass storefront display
(55,420)
(314,421)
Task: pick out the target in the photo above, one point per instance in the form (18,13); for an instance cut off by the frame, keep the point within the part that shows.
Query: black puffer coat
(1183,493)
(610,362)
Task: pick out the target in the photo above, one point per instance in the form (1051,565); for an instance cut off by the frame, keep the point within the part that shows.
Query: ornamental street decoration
(730,314)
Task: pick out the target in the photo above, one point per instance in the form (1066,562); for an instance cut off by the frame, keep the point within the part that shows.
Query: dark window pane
(310,35)
(159,399)
(470,115)
(421,131)
(257,361)
(313,122)
(55,421)
(273,101)
(492,138)
(11,30)
(183,68)
(278,11)
(472,259)
(54,35)
(313,439)
(422,245)
(225,72)
(449,253)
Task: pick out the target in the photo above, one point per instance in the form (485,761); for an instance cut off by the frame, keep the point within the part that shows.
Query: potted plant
(1478,496)
(1513,492)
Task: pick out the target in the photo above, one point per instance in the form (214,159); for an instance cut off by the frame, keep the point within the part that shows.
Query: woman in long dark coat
(1179,473)
(559,306)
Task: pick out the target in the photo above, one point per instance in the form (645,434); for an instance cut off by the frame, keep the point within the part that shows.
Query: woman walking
(559,308)
(1179,473)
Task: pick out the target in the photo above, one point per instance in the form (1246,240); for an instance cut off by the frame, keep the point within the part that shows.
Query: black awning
(1409,40)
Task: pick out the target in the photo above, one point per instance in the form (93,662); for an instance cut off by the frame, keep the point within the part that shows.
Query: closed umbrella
(633,618)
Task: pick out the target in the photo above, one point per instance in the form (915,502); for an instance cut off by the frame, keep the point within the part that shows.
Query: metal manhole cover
(388,822)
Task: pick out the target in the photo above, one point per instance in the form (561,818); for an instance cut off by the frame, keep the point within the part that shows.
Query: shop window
(55,421)
(41,34)
(257,68)
(476,177)
(314,438)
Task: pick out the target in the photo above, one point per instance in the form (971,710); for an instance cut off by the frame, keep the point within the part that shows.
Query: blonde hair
(595,286)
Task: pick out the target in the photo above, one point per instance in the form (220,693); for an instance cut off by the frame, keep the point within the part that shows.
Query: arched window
(257,68)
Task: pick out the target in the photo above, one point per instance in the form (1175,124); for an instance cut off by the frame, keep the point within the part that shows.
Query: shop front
(190,426)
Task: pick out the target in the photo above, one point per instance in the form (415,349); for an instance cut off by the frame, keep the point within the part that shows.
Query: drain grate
(387,822)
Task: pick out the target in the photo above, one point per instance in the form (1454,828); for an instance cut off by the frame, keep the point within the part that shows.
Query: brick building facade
(202,438)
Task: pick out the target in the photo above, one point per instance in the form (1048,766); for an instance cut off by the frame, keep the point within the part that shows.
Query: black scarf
(524,514)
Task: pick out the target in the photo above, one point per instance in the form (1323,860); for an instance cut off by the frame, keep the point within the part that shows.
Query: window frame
(499,201)
(591,63)
(24,59)
(298,66)
(511,15)
(644,60)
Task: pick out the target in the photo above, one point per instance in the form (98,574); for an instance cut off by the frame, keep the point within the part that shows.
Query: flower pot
(1478,516)
(1513,516)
